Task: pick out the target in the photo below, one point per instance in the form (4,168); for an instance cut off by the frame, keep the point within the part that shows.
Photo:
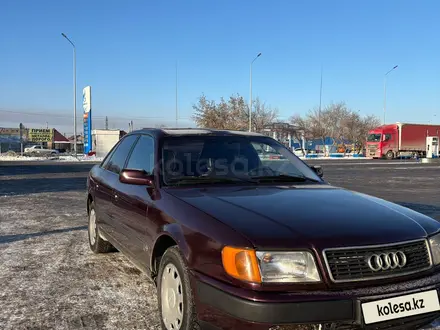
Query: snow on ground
(59,158)
(335,158)
(49,277)
(81,158)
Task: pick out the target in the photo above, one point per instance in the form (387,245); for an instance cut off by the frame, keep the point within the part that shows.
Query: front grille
(350,264)
(371,149)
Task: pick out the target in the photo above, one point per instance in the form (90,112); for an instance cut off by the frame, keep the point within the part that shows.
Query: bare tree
(262,115)
(206,114)
(338,122)
(232,114)
(316,124)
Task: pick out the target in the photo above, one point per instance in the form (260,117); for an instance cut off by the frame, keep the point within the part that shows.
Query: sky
(128,52)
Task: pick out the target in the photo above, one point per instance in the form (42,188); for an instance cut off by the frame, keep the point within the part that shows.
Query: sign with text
(40,135)
(87,118)
(87,99)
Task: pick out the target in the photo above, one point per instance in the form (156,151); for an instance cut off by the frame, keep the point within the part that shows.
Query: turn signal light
(241,264)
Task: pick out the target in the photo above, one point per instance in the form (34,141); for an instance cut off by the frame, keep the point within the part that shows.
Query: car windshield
(230,159)
(375,137)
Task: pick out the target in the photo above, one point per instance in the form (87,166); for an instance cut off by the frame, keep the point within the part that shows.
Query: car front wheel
(175,298)
(389,155)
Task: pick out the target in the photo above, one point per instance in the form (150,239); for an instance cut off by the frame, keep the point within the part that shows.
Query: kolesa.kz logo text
(399,308)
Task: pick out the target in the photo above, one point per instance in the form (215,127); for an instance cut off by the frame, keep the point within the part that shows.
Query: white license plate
(398,307)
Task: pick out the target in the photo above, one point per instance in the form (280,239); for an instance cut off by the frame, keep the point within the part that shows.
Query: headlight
(290,267)
(270,267)
(434,243)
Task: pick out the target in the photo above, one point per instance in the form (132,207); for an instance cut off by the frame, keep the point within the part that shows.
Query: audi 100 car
(234,240)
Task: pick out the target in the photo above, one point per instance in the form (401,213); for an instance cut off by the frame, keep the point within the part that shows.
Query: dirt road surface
(49,278)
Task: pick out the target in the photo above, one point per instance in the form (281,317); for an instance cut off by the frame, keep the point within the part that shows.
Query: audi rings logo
(385,261)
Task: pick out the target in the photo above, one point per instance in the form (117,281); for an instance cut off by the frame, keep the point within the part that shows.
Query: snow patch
(64,158)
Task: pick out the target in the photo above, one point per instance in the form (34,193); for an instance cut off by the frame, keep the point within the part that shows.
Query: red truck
(400,139)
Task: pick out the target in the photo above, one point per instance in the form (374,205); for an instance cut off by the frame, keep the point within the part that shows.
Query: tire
(184,318)
(96,243)
(389,155)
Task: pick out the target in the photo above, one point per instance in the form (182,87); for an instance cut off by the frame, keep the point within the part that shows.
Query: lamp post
(74,93)
(385,92)
(250,97)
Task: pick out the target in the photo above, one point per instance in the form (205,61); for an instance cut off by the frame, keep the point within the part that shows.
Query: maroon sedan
(236,240)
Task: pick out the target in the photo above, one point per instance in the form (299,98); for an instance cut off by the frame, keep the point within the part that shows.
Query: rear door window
(119,156)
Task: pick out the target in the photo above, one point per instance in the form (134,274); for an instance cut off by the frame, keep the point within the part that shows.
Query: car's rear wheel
(175,297)
(96,242)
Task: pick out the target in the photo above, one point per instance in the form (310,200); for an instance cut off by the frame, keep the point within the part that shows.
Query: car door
(108,186)
(103,195)
(134,203)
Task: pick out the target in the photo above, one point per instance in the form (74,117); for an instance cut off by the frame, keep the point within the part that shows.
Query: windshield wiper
(282,178)
(208,179)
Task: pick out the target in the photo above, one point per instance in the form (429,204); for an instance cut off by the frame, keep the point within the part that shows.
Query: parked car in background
(40,150)
(234,240)
(299,152)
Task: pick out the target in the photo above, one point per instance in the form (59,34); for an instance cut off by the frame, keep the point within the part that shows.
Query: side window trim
(131,150)
(134,145)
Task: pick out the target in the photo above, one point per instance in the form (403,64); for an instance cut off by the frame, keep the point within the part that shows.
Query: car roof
(161,132)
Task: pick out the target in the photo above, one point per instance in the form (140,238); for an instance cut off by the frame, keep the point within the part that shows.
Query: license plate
(398,307)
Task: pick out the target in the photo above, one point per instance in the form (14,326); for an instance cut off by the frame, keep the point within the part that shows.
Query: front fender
(175,232)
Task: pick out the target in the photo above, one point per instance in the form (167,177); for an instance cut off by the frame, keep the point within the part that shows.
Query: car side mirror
(136,177)
(318,170)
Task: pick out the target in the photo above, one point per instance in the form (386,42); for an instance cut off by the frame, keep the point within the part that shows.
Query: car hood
(316,216)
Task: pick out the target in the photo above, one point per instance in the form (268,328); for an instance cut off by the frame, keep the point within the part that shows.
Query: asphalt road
(50,279)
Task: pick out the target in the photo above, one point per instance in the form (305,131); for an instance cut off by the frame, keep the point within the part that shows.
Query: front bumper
(224,309)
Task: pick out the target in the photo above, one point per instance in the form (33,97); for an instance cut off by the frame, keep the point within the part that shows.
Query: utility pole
(106,122)
(177,113)
(250,97)
(320,102)
(21,139)
(385,92)
(74,93)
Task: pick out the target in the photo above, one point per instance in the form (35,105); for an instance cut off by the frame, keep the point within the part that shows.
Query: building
(290,135)
(103,140)
(12,139)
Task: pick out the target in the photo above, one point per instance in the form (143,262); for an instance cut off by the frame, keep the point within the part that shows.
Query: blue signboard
(87,119)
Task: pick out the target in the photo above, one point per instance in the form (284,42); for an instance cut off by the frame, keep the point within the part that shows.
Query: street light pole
(250,97)
(74,93)
(385,92)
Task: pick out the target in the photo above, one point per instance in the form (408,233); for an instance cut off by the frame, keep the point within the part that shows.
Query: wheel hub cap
(92,226)
(171,298)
